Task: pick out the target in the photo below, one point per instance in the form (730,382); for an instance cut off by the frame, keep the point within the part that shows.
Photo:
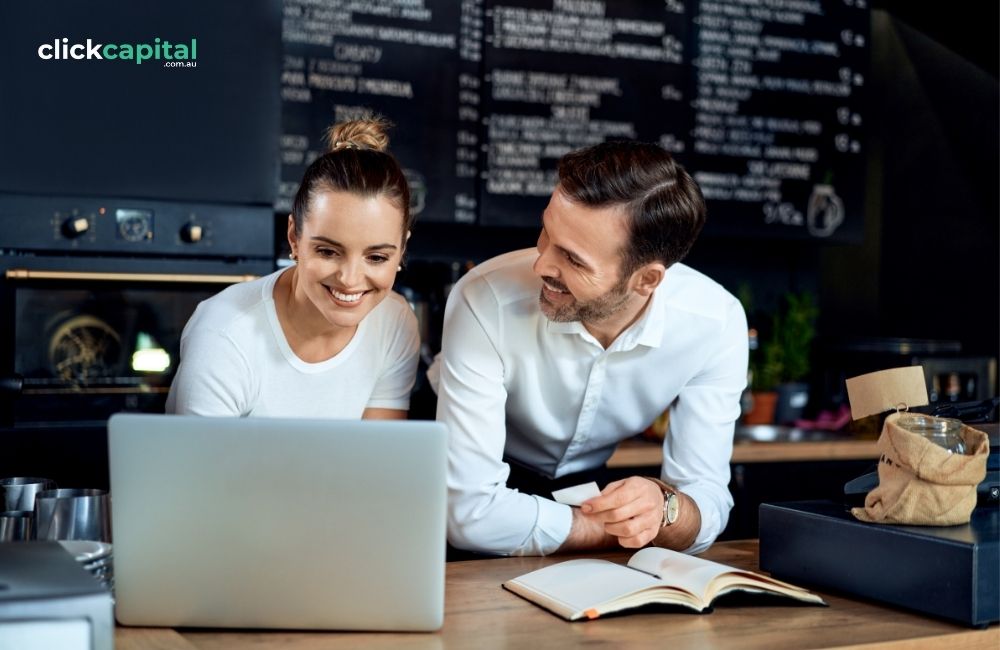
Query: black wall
(929,265)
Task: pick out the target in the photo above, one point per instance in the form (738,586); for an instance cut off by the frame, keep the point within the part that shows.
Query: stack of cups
(33,508)
(17,497)
(72,514)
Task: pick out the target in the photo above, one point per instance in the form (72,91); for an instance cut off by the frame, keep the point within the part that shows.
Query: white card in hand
(574,496)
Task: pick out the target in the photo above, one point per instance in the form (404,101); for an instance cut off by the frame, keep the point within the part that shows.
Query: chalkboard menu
(415,62)
(759,99)
(776,145)
(566,74)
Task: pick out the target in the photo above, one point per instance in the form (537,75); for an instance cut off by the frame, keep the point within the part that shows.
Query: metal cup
(73,514)
(17,526)
(18,493)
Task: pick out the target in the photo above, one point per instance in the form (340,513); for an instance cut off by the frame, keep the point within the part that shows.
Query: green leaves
(784,352)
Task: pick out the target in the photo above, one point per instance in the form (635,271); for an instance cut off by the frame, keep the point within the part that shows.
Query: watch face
(672,508)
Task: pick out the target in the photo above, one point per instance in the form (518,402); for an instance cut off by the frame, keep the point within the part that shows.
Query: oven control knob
(75,226)
(192,233)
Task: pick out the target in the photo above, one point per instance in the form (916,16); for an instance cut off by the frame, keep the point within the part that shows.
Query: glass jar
(946,432)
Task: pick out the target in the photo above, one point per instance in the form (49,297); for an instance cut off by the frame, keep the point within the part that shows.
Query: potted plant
(781,361)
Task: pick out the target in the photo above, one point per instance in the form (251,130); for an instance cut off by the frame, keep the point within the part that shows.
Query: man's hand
(631,510)
(629,513)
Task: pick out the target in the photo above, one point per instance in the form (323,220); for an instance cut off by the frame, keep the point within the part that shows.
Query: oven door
(82,345)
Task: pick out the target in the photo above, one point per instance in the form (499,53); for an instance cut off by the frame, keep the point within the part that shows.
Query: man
(552,356)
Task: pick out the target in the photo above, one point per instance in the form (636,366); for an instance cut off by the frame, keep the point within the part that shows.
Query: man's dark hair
(663,204)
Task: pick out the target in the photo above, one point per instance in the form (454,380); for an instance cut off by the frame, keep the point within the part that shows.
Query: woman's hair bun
(369,132)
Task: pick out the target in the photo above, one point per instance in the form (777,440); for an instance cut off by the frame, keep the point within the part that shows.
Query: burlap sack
(921,483)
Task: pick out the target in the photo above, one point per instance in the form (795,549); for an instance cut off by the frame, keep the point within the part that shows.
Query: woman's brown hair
(357,161)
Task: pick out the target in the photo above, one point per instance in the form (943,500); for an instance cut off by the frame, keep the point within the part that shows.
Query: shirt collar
(650,327)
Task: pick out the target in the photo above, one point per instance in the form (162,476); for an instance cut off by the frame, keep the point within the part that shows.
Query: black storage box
(948,571)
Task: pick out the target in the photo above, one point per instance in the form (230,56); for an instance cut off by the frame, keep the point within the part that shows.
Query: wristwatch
(671,502)
(671,507)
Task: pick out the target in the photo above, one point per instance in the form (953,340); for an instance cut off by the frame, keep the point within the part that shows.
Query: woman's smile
(346,298)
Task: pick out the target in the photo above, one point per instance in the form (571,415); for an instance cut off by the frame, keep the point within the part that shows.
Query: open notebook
(588,588)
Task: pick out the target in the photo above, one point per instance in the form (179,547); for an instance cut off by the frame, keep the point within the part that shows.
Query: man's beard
(594,310)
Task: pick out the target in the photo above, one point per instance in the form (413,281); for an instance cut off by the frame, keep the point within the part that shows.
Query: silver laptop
(278,523)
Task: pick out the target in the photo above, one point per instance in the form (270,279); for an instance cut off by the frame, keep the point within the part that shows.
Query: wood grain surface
(481,615)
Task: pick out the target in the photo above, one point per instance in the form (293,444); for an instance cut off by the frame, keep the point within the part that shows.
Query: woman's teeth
(347,297)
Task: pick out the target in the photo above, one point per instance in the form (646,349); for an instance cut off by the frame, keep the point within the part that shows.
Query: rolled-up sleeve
(699,441)
(483,514)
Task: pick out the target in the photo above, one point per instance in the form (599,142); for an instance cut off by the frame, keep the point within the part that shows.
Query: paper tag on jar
(886,390)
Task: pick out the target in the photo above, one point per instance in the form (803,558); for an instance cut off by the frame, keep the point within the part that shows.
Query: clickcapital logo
(173,54)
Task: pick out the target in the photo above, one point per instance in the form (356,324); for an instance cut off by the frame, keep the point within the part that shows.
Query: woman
(327,336)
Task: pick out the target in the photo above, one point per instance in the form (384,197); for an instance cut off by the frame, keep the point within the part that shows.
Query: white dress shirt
(547,394)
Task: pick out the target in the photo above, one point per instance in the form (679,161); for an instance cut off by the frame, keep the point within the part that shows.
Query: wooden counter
(764,444)
(479,614)
(771,444)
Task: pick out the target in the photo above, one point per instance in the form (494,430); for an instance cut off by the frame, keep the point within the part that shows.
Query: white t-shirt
(510,381)
(235,360)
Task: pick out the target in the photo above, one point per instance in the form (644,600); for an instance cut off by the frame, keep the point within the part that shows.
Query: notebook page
(690,573)
(582,584)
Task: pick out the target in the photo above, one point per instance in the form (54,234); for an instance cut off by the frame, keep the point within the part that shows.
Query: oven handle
(203,278)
